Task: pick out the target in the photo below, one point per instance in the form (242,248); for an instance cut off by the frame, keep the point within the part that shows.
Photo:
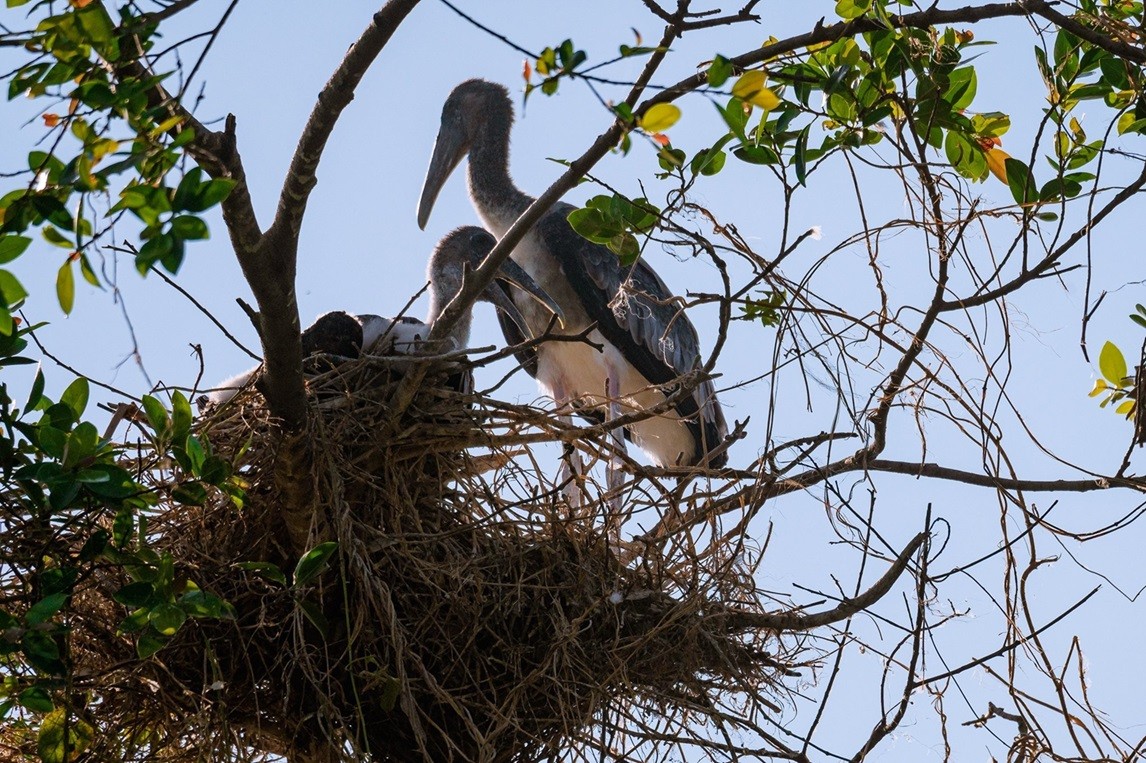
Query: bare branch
(336,95)
(793,621)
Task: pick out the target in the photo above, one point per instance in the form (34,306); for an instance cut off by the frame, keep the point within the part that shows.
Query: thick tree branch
(753,497)
(1105,41)
(336,95)
(793,621)
(821,34)
(270,267)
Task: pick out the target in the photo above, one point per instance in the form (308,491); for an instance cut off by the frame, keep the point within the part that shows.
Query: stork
(647,341)
(342,334)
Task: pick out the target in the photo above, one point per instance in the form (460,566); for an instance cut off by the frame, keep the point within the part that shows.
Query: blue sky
(361,251)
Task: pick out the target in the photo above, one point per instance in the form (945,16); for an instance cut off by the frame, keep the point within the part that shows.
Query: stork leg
(614,478)
(572,470)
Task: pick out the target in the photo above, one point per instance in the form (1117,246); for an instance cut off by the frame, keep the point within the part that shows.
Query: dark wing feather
(650,331)
(527,357)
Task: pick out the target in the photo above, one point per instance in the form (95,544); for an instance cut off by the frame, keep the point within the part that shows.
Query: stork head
(465,115)
(461,252)
(334,333)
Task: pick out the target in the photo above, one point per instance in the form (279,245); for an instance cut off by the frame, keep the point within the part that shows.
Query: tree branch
(1045,266)
(792,621)
(1080,30)
(335,96)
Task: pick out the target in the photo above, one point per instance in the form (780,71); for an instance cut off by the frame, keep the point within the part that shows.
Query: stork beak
(513,273)
(449,148)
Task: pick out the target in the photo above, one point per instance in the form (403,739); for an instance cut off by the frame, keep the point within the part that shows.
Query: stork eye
(481,241)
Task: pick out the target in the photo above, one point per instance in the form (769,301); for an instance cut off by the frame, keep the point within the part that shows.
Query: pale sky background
(361,251)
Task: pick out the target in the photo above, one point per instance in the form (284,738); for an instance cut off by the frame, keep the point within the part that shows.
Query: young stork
(341,334)
(648,341)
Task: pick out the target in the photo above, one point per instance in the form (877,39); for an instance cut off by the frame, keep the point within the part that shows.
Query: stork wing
(527,357)
(649,329)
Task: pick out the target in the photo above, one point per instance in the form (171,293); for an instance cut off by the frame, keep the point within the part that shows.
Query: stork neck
(459,336)
(498,200)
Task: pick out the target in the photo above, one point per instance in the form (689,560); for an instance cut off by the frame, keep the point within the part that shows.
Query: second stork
(647,341)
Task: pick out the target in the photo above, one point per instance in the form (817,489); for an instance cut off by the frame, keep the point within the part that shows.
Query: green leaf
(215,470)
(45,608)
(188,189)
(735,117)
(66,287)
(36,699)
(135,595)
(156,415)
(211,193)
(313,562)
(961,88)
(167,619)
(12,246)
(53,236)
(314,614)
(198,603)
(851,9)
(11,290)
(591,224)
(799,157)
(1021,181)
(76,396)
(87,272)
(626,248)
(123,526)
(1112,364)
(189,228)
(181,415)
(94,546)
(719,72)
(265,569)
(190,494)
(63,738)
(148,644)
(37,393)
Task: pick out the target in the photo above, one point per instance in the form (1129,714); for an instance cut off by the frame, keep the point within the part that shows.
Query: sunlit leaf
(12,247)
(313,562)
(750,88)
(1112,364)
(63,738)
(660,117)
(76,396)
(66,287)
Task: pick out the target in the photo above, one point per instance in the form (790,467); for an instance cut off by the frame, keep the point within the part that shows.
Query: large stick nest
(468,614)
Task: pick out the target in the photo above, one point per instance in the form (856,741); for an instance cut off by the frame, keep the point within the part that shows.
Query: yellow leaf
(750,89)
(660,117)
(1125,409)
(997,163)
(1100,386)
(1112,364)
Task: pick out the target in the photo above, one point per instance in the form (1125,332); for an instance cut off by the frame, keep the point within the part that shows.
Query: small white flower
(817,234)
(217,686)
(616,597)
